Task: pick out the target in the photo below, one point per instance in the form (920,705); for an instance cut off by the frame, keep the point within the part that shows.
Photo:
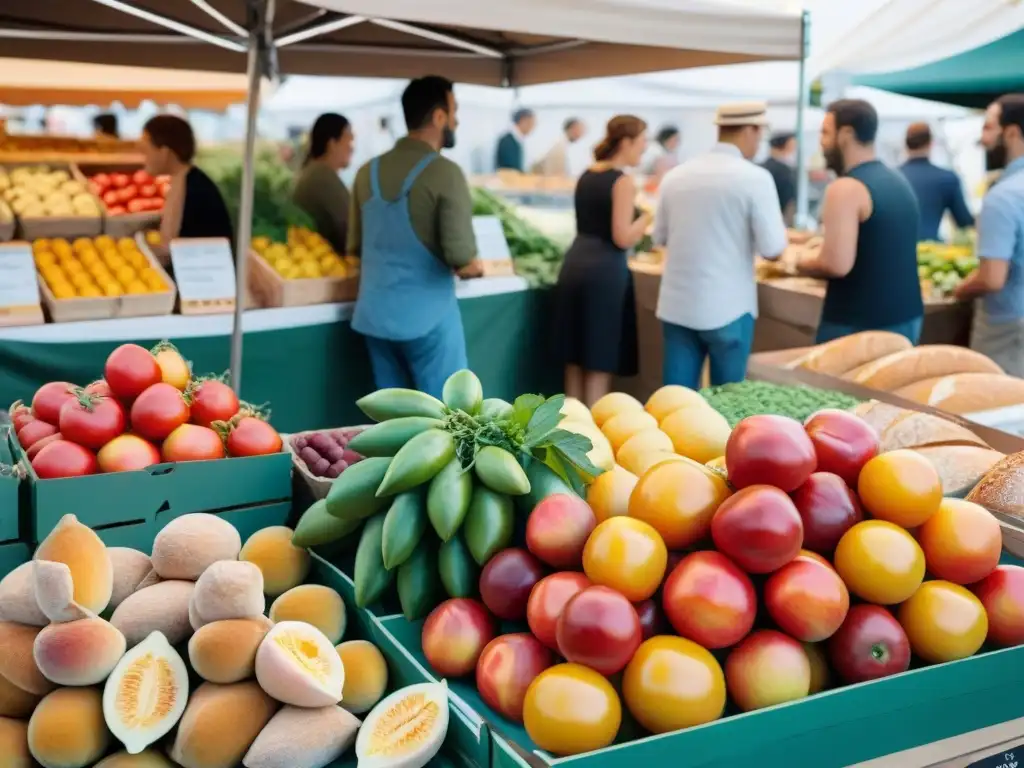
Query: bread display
(902,369)
(963,393)
(841,356)
(1002,489)
(961,467)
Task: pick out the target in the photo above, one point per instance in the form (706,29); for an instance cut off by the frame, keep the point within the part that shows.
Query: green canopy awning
(974,78)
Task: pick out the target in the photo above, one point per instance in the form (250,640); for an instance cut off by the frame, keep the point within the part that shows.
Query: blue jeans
(827,331)
(424,363)
(727,347)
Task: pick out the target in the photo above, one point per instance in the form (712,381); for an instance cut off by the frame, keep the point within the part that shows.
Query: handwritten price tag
(491,244)
(203,269)
(19,286)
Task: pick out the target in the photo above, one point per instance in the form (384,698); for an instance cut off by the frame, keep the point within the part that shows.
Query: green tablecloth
(311,375)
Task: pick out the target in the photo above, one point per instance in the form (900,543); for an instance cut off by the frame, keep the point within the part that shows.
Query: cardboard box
(146,496)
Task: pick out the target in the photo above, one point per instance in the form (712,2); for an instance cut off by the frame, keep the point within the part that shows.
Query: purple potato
(321,442)
(332,472)
(300,442)
(309,455)
(337,453)
(351,456)
(320,468)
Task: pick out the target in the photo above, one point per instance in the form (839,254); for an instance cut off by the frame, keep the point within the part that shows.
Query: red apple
(454,636)
(1002,594)
(807,600)
(759,528)
(842,441)
(505,670)
(769,450)
(599,628)
(547,599)
(766,669)
(506,582)
(828,508)
(652,622)
(558,528)
(870,644)
(709,600)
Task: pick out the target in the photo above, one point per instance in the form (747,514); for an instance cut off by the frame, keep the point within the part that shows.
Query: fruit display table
(306,361)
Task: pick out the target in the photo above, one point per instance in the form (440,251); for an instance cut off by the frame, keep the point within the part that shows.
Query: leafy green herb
(545,419)
(749,398)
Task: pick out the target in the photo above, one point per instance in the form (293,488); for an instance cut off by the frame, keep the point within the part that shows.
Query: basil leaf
(545,419)
(574,449)
(523,409)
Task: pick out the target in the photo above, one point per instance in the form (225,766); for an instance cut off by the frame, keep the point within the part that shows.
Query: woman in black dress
(595,309)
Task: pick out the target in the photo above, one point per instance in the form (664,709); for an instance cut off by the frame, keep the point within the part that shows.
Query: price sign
(19,286)
(492,247)
(1008,758)
(205,273)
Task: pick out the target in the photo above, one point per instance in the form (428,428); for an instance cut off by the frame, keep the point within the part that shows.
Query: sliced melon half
(406,729)
(145,695)
(296,664)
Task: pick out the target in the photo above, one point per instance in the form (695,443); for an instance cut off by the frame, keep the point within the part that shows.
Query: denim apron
(406,305)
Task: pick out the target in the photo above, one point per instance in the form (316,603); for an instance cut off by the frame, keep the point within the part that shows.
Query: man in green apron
(411,225)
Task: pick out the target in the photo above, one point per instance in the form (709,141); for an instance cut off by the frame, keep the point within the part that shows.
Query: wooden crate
(125,224)
(274,291)
(104,307)
(70,227)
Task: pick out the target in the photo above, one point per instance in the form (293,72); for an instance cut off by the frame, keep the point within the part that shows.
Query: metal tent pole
(801,219)
(257,18)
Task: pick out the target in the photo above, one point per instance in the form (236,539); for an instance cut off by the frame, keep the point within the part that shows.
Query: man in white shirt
(556,161)
(715,212)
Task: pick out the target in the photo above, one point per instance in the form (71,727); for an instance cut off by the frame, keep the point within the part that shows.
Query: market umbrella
(489,42)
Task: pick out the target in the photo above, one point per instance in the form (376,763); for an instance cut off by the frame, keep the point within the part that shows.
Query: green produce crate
(142,496)
(10,519)
(12,555)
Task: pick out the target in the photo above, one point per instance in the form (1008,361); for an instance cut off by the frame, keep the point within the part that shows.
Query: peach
(229,589)
(160,608)
(766,669)
(314,604)
(55,592)
(130,567)
(16,661)
(558,528)
(284,565)
(14,744)
(190,544)
(67,729)
(79,652)
(15,702)
(220,724)
(82,551)
(366,675)
(296,738)
(18,602)
(297,664)
(225,651)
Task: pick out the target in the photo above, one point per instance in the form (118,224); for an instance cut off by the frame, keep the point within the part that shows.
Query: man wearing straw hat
(715,212)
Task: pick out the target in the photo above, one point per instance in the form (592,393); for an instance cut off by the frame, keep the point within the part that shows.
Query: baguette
(880,416)
(961,467)
(902,369)
(839,356)
(917,430)
(1002,488)
(966,392)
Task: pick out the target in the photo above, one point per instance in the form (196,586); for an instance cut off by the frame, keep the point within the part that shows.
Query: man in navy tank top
(868,251)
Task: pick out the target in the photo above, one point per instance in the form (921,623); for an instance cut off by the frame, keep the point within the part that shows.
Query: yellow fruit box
(51,206)
(275,290)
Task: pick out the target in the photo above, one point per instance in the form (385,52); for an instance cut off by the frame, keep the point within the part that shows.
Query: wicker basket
(318,486)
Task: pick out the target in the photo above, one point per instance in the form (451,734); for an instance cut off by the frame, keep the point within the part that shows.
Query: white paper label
(19,286)
(491,244)
(203,269)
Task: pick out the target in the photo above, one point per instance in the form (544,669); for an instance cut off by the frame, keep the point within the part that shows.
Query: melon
(145,695)
(303,738)
(612,405)
(314,604)
(297,665)
(67,729)
(220,724)
(55,592)
(130,567)
(18,598)
(82,652)
(15,702)
(85,554)
(229,589)
(161,608)
(283,564)
(14,744)
(17,663)
(190,544)
(366,675)
(148,758)
(671,398)
(406,729)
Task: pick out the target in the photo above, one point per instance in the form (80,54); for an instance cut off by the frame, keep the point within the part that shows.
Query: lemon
(42,244)
(62,291)
(339,270)
(126,244)
(90,292)
(80,243)
(74,268)
(138,260)
(45,259)
(81,279)
(104,241)
(155,284)
(124,274)
(136,286)
(89,258)
(111,288)
(115,262)
(311,269)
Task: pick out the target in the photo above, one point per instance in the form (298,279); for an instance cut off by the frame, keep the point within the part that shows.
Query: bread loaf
(839,356)
(1002,489)
(961,467)
(917,430)
(966,392)
(881,415)
(902,369)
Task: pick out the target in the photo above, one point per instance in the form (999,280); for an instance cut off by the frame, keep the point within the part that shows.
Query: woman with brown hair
(595,310)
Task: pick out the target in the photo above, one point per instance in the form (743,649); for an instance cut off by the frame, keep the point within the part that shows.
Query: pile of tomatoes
(811,561)
(147,409)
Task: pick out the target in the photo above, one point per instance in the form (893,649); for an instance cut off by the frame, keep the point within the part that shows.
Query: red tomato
(709,600)
(91,421)
(126,453)
(547,599)
(116,210)
(190,442)
(212,401)
(600,629)
(769,450)
(21,415)
(842,441)
(156,204)
(111,198)
(130,370)
(759,528)
(159,411)
(870,644)
(63,458)
(174,368)
(1002,594)
(33,432)
(141,177)
(253,437)
(807,600)
(101,180)
(49,398)
(505,670)
(766,669)
(119,180)
(146,189)
(38,445)
(137,206)
(455,634)
(164,187)
(128,193)
(828,508)
(99,387)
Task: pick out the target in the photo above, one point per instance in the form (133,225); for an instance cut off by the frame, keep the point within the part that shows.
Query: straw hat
(742,113)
